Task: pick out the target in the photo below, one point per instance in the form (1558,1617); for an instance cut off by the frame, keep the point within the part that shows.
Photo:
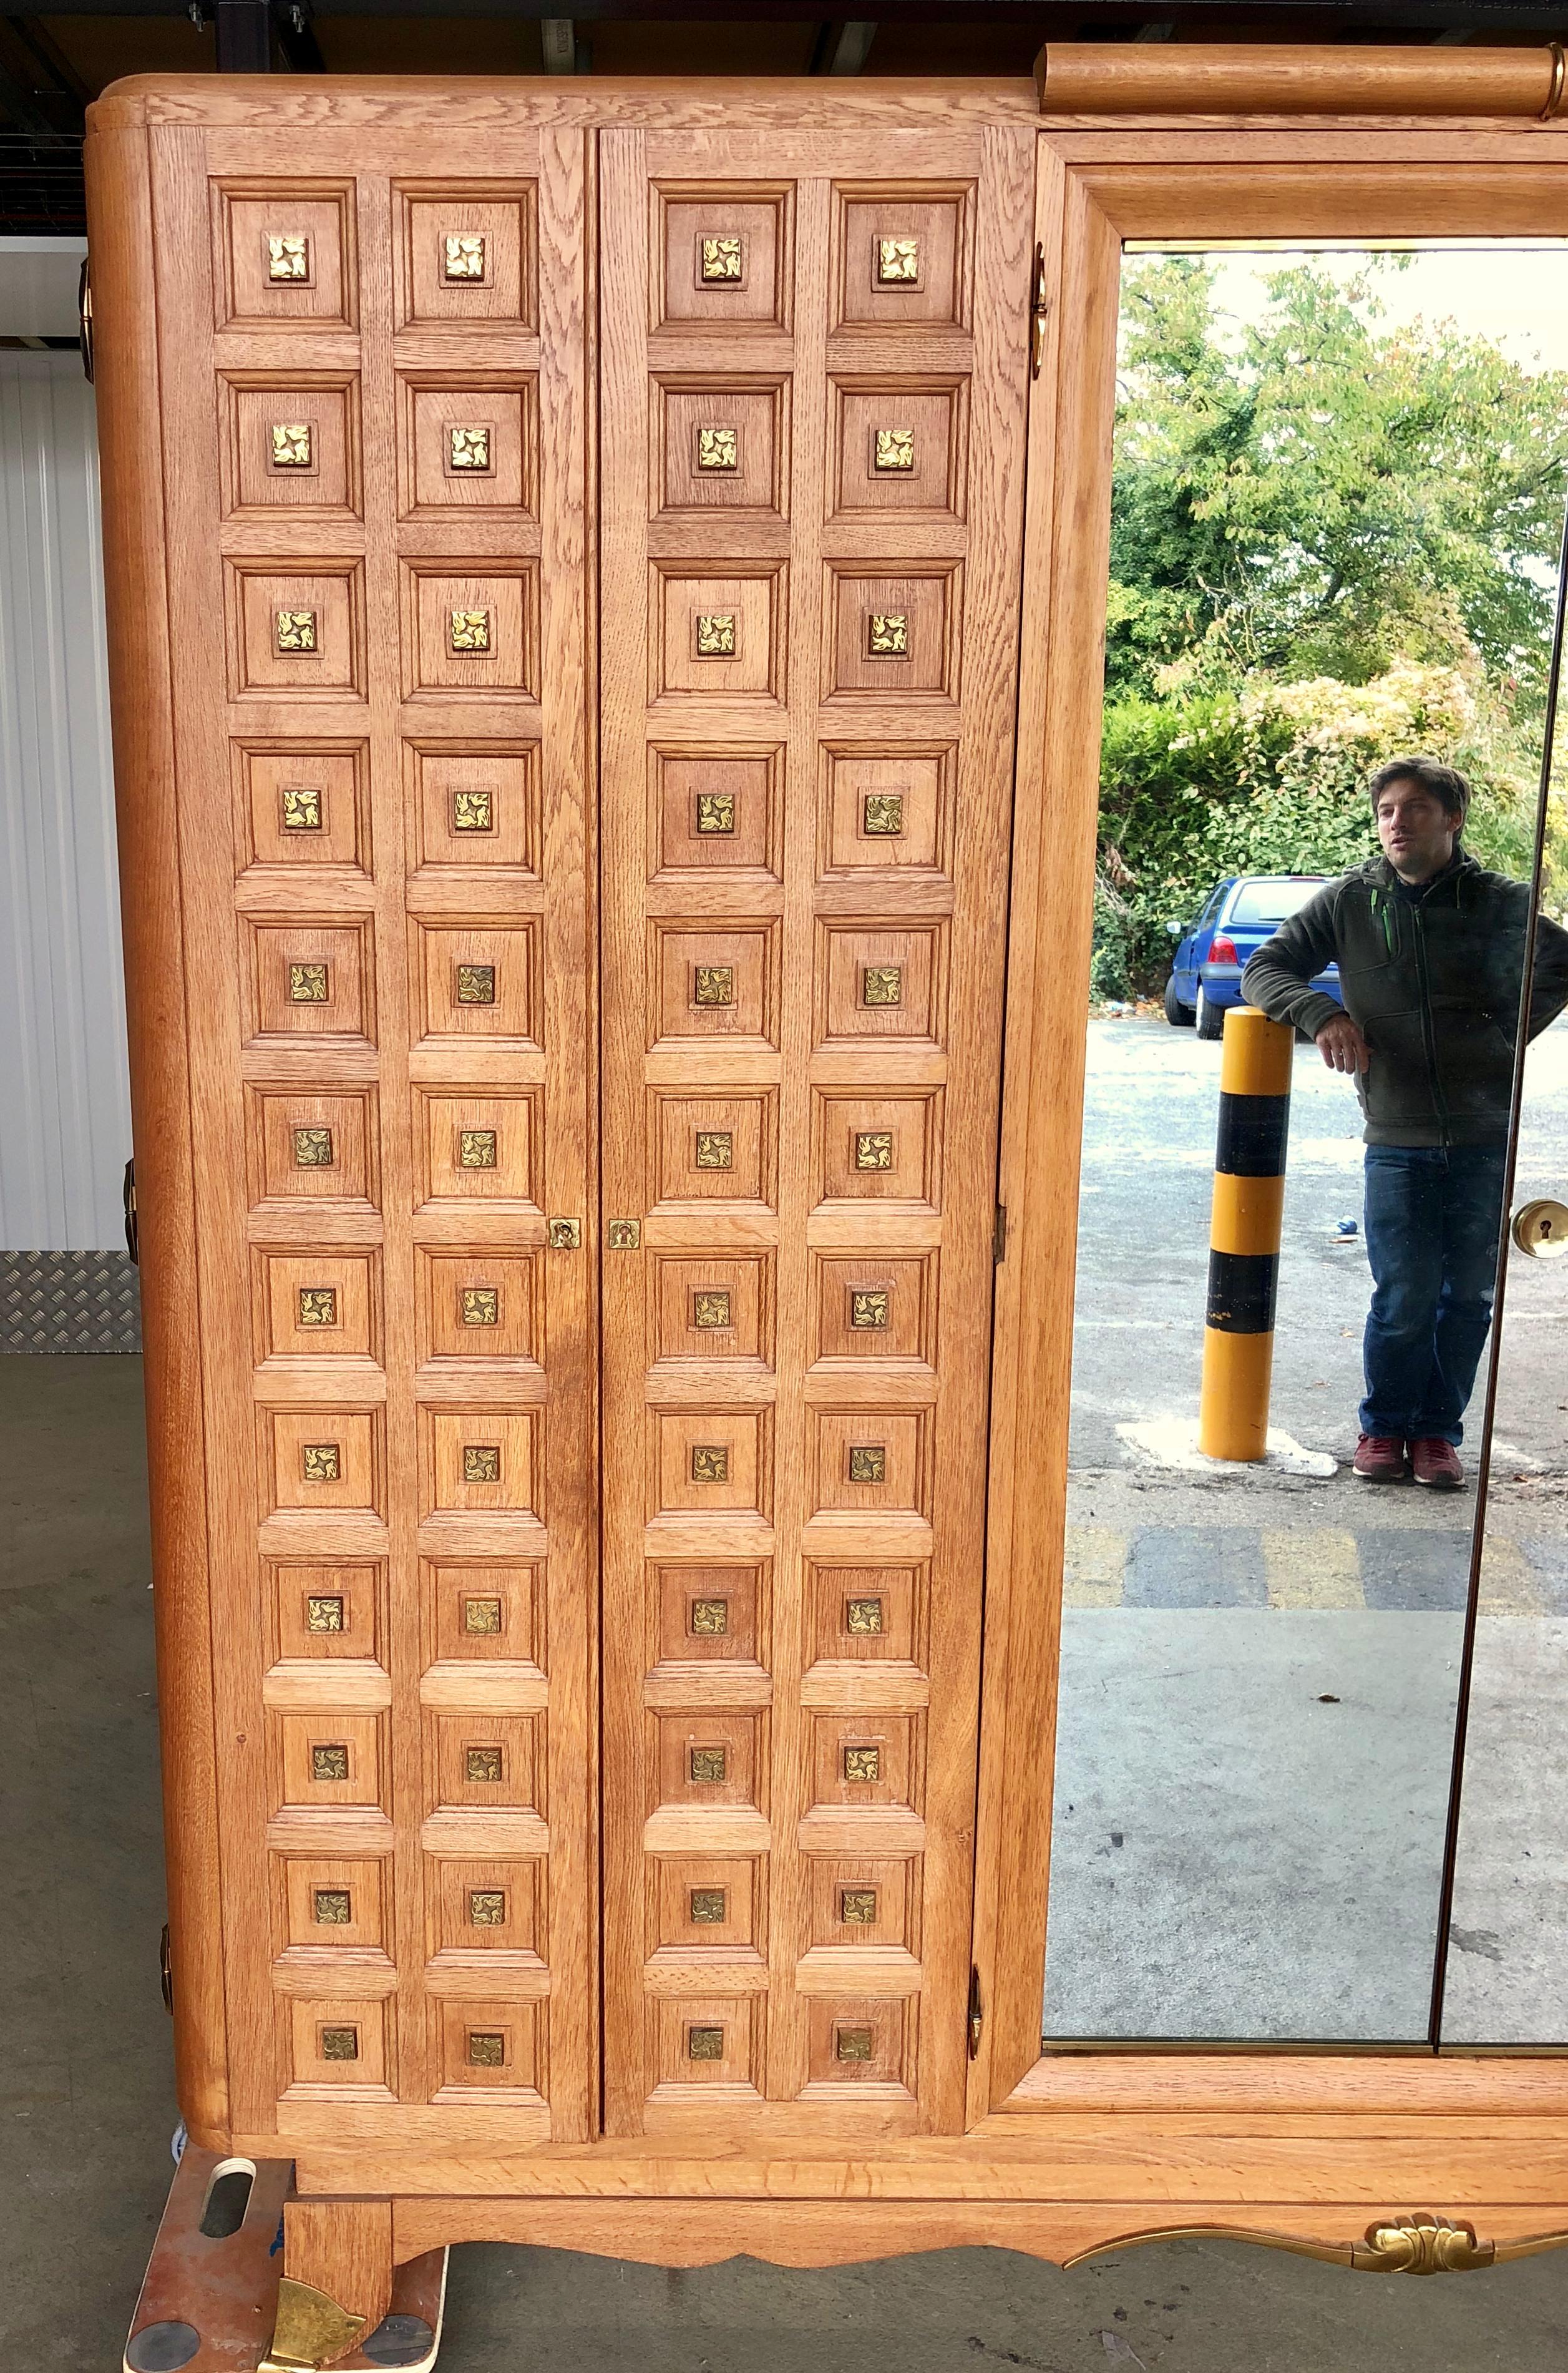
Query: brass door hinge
(999,1234)
(1040,314)
(977,2015)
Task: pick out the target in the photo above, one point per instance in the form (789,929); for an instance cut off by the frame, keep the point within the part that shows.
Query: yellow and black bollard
(1243,1235)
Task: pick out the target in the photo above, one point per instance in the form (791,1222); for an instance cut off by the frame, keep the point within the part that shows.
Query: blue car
(1240,915)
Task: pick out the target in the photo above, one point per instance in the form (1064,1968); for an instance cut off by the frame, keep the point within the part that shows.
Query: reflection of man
(1429,946)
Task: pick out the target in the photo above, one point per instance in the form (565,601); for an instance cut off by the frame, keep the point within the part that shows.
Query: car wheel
(1180,1016)
(1211,1017)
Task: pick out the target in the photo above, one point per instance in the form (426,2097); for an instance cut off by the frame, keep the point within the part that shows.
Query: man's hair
(1445,783)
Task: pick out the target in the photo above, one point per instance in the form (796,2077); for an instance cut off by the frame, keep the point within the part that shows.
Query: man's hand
(1342,1047)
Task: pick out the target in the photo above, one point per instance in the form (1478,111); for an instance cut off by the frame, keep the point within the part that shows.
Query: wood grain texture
(344,2248)
(1266,79)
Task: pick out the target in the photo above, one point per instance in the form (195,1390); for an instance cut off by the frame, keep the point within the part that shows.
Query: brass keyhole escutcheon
(1541,1229)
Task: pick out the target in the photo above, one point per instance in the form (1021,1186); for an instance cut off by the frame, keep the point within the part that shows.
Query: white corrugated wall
(64,1105)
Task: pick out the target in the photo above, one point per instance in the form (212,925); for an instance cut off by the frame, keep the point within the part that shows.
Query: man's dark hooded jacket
(1433,979)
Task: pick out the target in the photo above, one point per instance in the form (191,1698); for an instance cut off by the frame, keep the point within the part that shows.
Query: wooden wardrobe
(604,587)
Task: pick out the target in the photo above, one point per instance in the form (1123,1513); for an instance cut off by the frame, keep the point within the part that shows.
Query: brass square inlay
(888,635)
(720,259)
(882,985)
(317,1305)
(476,984)
(862,1615)
(487,1907)
(313,1149)
(323,1614)
(710,1462)
(463,256)
(302,810)
(709,1310)
(709,1617)
(868,1306)
(481,1462)
(858,1905)
(715,812)
(468,448)
(715,985)
(340,2043)
(709,1763)
(308,984)
(295,629)
(482,1615)
(862,1763)
(473,812)
(852,2042)
(706,1906)
(898,262)
(717,449)
(291,445)
(470,630)
(328,1763)
(486,2048)
(289,256)
(895,449)
(476,1149)
(333,1907)
(483,1764)
(882,815)
(869,1462)
(715,634)
(322,1462)
(565,1236)
(481,1305)
(715,1148)
(704,2043)
(874,1149)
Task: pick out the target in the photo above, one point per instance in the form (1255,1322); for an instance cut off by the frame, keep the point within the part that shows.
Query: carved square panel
(283,253)
(302,802)
(485,1906)
(714,810)
(296,633)
(867,1613)
(324,1460)
(482,1612)
(897,448)
(696,2040)
(317,1304)
(715,1463)
(719,1308)
(478,1305)
(475,1149)
(709,1613)
(854,2042)
(289,446)
(319,1148)
(483,2048)
(327,1611)
(886,809)
(480,1461)
(471,629)
(714,982)
(724,256)
(705,1900)
(711,1150)
(874,983)
(902,258)
(468,441)
(707,1759)
(473,803)
(478,983)
(855,1901)
(718,633)
(466,252)
(892,637)
(863,1758)
(482,1761)
(306,980)
(874,1307)
(722,445)
(872,1460)
(878,1149)
(325,1760)
(341,2043)
(334,1904)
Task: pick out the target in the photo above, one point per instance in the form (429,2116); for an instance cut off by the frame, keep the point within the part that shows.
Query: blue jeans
(1433,1214)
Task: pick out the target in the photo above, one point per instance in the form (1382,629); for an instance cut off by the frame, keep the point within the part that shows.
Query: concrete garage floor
(88,2104)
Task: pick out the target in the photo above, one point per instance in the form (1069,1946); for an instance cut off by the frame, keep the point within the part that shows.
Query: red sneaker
(1380,1459)
(1436,1463)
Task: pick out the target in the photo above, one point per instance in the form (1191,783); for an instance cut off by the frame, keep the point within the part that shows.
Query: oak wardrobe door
(372,425)
(813,385)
